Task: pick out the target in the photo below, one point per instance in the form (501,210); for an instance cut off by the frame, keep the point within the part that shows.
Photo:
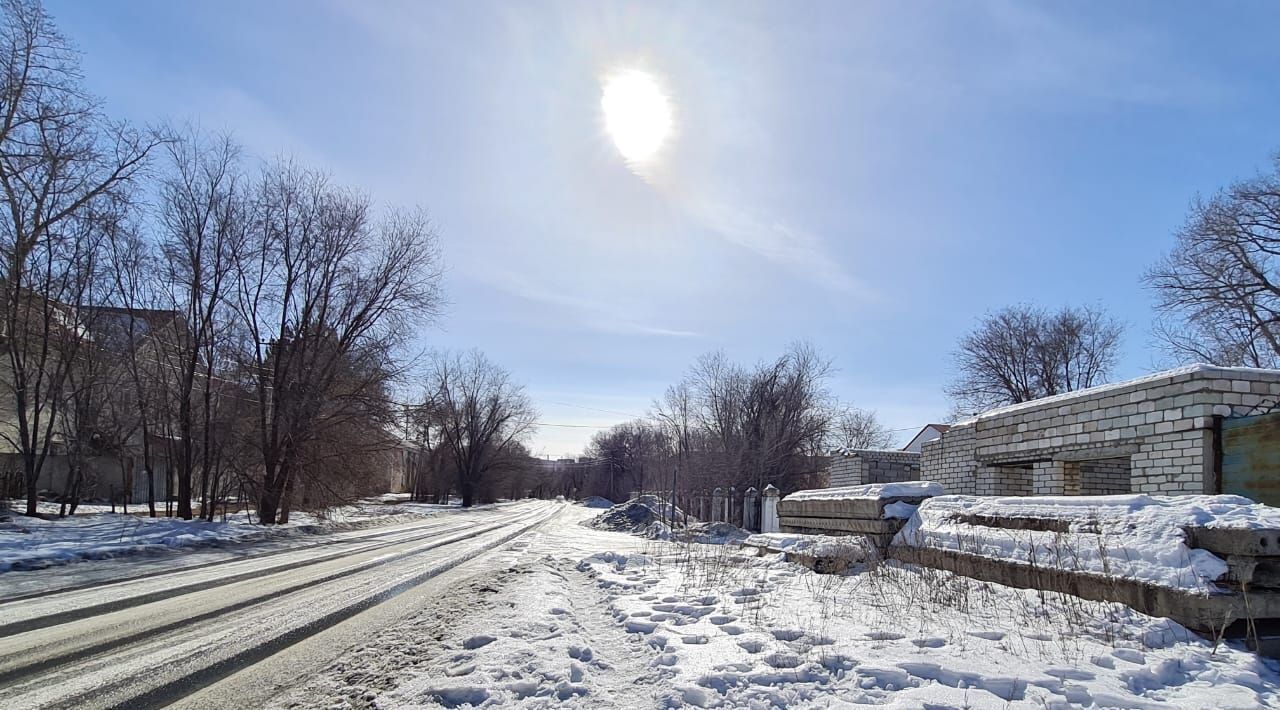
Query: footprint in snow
(1070,674)
(885,636)
(988,635)
(464,669)
(720,620)
(783,660)
(581,653)
(636,626)
(475,642)
(694,640)
(751,645)
(731,629)
(837,662)
(929,643)
(787,634)
(1131,655)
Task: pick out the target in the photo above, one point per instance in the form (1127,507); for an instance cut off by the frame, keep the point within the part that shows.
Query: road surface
(158,639)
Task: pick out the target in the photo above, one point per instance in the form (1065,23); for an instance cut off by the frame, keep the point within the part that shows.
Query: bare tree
(324,292)
(135,404)
(63,170)
(766,424)
(484,416)
(203,221)
(1218,291)
(853,428)
(1021,353)
(632,456)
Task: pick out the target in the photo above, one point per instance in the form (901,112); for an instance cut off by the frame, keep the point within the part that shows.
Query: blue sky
(870,177)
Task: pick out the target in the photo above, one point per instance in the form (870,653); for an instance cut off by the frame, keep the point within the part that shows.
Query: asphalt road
(156,639)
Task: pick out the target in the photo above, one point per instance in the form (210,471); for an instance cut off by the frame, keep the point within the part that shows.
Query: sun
(637,114)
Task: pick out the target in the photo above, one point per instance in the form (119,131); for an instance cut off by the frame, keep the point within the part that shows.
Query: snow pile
(712,533)
(851,548)
(901,489)
(645,515)
(1135,537)
(596,502)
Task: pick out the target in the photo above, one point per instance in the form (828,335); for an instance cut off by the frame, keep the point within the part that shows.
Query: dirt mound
(596,502)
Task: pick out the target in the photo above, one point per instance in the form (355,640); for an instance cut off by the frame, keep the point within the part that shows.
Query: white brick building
(1155,434)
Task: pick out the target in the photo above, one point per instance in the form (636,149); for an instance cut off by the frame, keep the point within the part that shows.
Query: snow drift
(1135,537)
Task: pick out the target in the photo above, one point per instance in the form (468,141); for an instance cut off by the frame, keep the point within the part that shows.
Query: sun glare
(637,114)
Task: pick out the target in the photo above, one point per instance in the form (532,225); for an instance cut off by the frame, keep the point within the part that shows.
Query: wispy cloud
(800,252)
(588,311)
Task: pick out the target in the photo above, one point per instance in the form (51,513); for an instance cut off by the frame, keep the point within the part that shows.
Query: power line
(597,409)
(576,426)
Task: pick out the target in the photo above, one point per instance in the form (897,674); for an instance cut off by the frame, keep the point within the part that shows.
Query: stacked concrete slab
(862,516)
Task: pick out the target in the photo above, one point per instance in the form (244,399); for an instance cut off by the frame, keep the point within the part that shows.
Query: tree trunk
(184,493)
(268,503)
(29,472)
(286,500)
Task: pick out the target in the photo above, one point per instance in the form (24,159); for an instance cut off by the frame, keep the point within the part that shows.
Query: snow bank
(854,547)
(91,534)
(902,489)
(596,502)
(1136,537)
(34,543)
(712,533)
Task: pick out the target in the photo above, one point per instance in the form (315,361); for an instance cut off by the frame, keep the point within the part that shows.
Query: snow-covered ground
(1138,537)
(95,533)
(589,618)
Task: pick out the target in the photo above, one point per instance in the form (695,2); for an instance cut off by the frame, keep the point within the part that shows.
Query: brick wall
(855,467)
(1162,423)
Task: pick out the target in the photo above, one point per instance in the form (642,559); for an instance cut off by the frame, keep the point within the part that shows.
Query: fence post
(717,505)
(769,510)
(750,513)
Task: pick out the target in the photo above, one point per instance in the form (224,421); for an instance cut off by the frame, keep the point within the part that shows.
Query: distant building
(928,433)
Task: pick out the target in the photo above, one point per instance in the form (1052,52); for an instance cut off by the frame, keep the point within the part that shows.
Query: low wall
(855,467)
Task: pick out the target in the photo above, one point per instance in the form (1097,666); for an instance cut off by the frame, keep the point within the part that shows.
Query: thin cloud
(589,312)
(799,252)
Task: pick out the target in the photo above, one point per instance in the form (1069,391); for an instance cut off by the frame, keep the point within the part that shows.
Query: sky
(868,177)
